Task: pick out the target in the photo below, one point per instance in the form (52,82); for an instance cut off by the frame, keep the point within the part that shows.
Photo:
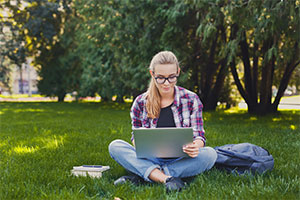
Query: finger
(193,155)
(191,152)
(186,151)
(190,145)
(191,149)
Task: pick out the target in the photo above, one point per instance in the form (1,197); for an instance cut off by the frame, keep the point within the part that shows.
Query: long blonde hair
(153,96)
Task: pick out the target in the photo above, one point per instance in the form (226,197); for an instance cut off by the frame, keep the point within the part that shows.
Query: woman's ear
(151,72)
(178,71)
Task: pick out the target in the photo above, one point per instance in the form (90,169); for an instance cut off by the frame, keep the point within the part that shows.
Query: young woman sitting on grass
(165,105)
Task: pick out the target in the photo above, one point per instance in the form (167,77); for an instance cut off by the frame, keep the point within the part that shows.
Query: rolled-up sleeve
(136,114)
(197,120)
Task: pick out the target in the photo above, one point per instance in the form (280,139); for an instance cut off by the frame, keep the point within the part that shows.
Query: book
(94,171)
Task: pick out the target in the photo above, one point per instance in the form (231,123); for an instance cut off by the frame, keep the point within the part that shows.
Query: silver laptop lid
(161,142)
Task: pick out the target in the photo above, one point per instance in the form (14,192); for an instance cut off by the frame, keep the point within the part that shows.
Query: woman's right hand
(192,149)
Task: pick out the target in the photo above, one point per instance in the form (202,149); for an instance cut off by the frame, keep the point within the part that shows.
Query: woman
(165,105)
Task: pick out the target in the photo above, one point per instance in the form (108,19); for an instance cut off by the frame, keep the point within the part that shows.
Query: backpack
(243,158)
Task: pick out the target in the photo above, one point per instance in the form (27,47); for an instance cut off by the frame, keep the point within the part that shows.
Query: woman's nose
(167,82)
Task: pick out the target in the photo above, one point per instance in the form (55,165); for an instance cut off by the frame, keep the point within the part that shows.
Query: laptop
(161,142)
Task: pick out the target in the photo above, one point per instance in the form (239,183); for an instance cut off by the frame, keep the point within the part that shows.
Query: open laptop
(161,142)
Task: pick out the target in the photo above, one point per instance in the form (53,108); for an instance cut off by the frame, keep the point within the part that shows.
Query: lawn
(41,142)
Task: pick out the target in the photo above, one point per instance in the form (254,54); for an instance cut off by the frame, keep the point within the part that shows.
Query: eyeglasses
(162,80)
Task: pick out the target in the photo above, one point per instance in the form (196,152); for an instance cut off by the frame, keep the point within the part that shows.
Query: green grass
(41,142)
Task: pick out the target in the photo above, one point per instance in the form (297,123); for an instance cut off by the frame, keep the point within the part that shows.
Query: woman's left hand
(192,149)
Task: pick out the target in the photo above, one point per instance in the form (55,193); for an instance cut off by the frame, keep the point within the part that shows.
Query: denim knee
(211,156)
(114,147)
(208,157)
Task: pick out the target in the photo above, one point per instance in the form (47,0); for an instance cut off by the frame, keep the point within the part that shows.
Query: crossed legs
(154,170)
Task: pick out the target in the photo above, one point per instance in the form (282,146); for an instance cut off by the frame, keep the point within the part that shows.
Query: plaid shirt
(186,108)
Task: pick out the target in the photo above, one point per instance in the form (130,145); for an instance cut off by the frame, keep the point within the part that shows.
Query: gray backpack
(243,158)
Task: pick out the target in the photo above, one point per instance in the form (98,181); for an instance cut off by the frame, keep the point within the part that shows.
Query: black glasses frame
(166,79)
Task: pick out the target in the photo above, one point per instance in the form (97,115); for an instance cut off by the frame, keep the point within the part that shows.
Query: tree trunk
(21,81)
(196,75)
(255,73)
(264,105)
(120,99)
(61,97)
(214,95)
(195,64)
(104,99)
(247,68)
(266,87)
(210,70)
(246,94)
(290,67)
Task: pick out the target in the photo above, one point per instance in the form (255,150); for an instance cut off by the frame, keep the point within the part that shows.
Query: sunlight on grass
(293,127)
(253,118)
(235,110)
(90,99)
(53,143)
(25,149)
(5,109)
(68,100)
(28,110)
(276,119)
(49,143)
(1,113)
(128,100)
(3,143)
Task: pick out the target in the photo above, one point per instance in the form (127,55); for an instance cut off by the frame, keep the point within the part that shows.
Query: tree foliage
(36,29)
(116,46)
(36,23)
(60,68)
(105,47)
(12,45)
(119,38)
(265,41)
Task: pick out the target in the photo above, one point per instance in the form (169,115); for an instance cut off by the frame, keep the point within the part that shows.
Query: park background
(94,55)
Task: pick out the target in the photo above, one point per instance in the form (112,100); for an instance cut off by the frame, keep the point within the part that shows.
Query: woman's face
(163,71)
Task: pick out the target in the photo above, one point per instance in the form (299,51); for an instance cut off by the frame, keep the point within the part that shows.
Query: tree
(197,32)
(41,33)
(12,46)
(121,43)
(116,46)
(266,42)
(5,72)
(60,69)
(5,64)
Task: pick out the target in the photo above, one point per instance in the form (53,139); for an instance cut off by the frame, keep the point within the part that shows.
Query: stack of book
(94,171)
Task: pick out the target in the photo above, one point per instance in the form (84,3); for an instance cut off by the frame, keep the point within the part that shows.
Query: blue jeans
(124,154)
